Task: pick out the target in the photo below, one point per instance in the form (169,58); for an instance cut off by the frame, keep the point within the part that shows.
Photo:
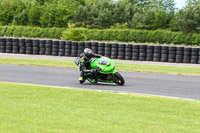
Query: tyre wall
(121,51)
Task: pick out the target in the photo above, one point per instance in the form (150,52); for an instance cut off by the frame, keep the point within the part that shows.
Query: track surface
(146,83)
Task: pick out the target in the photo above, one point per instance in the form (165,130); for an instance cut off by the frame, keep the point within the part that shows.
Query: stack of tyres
(121,51)
(179,54)
(101,48)
(187,55)
(114,50)
(61,51)
(194,55)
(150,51)
(164,53)
(135,52)
(74,52)
(9,46)
(172,54)
(199,57)
(42,49)
(55,47)
(128,52)
(68,48)
(2,45)
(81,46)
(94,47)
(107,50)
(157,53)
(15,44)
(143,52)
(36,44)
(22,46)
(88,45)
(48,47)
(29,46)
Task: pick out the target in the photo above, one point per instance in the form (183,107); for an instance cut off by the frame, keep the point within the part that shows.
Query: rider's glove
(93,71)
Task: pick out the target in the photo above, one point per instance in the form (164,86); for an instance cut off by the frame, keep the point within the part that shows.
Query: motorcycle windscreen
(103,61)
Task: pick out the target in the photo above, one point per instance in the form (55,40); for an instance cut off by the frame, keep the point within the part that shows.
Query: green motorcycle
(104,71)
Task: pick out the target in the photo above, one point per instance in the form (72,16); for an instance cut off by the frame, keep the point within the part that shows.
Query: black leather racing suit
(84,63)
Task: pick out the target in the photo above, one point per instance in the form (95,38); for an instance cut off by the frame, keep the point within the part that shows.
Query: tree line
(102,14)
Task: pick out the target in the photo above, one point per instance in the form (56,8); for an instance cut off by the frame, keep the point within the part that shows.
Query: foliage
(28,31)
(187,19)
(73,34)
(100,14)
(86,13)
(111,34)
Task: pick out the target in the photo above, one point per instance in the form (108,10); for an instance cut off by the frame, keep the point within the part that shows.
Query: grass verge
(119,66)
(31,108)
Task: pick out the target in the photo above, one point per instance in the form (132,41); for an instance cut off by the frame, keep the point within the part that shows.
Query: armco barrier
(123,51)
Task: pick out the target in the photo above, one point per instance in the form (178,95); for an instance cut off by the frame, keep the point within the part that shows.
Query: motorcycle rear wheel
(119,80)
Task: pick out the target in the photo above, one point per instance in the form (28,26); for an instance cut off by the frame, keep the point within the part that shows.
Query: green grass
(31,108)
(119,66)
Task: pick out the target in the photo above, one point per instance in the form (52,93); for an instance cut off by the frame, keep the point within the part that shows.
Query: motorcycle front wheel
(118,79)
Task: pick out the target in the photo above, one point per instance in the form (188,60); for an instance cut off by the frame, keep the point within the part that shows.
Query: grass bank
(30,108)
(119,66)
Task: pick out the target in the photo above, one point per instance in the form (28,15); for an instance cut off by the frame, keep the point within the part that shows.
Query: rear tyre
(119,80)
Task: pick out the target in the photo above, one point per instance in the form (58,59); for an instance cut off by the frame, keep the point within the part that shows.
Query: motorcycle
(101,70)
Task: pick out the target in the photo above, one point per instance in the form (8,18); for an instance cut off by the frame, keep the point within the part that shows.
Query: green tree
(187,19)
(34,14)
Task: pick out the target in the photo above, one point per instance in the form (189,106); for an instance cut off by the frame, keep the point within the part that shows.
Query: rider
(84,62)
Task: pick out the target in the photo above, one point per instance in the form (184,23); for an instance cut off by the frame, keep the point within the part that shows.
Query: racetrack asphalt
(180,86)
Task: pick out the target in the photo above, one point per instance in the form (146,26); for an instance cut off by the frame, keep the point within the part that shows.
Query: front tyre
(118,79)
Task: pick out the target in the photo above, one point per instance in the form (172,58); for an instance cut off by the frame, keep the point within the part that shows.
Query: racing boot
(81,78)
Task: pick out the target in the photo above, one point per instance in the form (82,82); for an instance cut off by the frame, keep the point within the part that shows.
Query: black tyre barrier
(55,47)
(172,54)
(164,53)
(150,51)
(135,52)
(107,50)
(9,45)
(157,54)
(179,54)
(15,44)
(121,51)
(2,45)
(42,48)
(68,47)
(142,52)
(61,48)
(128,51)
(199,57)
(101,48)
(36,46)
(81,46)
(94,47)
(48,47)
(74,49)
(195,55)
(29,46)
(187,55)
(88,45)
(114,50)
(22,46)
